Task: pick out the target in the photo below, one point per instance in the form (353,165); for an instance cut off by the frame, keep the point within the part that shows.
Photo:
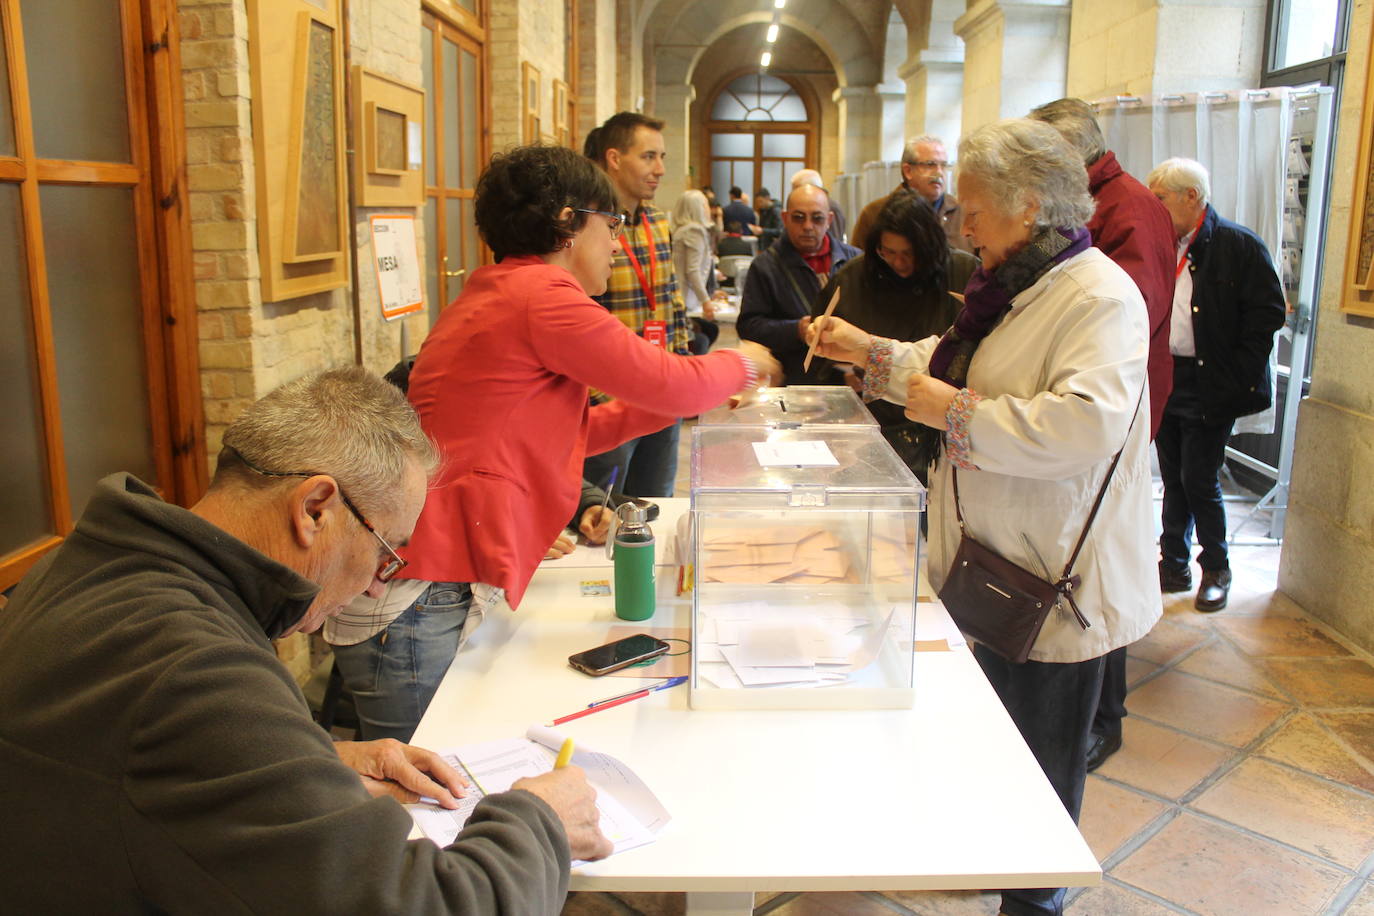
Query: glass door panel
(76,79)
(427,67)
(454,270)
(452,143)
(469,101)
(23,460)
(95,297)
(784,146)
(432,285)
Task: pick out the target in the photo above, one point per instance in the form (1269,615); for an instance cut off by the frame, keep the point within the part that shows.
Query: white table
(945,795)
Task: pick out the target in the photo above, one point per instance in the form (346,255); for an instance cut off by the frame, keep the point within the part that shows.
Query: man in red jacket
(1134,229)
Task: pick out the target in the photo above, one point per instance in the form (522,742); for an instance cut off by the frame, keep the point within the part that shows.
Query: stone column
(673,106)
(934,95)
(860,123)
(1016,56)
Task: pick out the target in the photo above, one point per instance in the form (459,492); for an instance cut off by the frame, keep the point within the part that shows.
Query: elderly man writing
(156,757)
(783,281)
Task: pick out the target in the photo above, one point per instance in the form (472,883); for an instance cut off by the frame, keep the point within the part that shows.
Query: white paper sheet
(808,454)
(630,813)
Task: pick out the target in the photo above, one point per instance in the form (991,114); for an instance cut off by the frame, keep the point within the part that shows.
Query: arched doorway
(760,129)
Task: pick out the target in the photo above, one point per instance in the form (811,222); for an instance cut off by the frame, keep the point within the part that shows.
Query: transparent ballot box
(805,553)
(796,405)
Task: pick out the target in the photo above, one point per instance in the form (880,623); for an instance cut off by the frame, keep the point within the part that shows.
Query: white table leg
(712,903)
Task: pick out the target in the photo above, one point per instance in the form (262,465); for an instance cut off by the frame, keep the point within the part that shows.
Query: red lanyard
(1178,272)
(648,286)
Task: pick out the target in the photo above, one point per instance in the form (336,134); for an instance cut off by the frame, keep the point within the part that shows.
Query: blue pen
(670,682)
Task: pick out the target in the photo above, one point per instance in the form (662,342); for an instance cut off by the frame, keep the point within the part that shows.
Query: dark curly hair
(908,214)
(522,191)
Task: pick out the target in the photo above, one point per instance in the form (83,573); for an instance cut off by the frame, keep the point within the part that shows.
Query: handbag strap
(1066,577)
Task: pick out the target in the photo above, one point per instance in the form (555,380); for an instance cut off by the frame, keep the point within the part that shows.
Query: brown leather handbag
(1001,604)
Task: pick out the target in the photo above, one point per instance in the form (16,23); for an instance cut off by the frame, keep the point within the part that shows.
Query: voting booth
(805,553)
(796,405)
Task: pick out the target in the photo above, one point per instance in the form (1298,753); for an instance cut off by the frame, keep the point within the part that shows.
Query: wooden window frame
(811,127)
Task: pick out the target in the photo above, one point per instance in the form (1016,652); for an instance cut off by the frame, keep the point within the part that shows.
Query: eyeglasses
(390,566)
(932,164)
(797,216)
(617,220)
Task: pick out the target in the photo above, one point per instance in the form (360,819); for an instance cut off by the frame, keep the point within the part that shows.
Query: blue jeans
(394,675)
(648,465)
(1052,705)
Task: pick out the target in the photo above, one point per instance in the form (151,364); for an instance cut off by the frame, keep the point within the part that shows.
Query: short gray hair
(1022,162)
(807,176)
(346,423)
(1076,121)
(909,154)
(1179,174)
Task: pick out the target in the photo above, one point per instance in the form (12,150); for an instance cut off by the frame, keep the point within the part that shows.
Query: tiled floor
(1245,786)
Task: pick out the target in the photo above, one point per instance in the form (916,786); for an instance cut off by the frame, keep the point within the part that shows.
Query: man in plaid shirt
(642,292)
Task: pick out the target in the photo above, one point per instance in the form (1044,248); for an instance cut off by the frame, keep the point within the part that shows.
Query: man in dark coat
(1131,227)
(1228,303)
(783,281)
(925,170)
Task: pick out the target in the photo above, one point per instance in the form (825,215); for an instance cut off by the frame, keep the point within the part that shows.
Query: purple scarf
(988,297)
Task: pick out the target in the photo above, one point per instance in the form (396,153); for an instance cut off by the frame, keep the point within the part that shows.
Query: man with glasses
(642,291)
(145,708)
(925,170)
(784,281)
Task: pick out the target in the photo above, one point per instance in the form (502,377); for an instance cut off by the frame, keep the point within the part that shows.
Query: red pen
(616,701)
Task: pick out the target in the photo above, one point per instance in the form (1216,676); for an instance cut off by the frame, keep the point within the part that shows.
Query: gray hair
(909,154)
(1076,121)
(805,177)
(1022,162)
(691,208)
(346,423)
(1179,174)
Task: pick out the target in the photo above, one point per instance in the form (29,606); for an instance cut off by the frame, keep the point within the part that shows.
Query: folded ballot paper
(630,814)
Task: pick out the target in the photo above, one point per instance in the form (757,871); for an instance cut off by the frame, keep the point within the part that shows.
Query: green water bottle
(633,553)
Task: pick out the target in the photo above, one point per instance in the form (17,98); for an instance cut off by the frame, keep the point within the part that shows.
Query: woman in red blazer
(501,385)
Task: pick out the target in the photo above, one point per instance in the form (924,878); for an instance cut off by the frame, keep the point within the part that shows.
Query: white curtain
(1242,140)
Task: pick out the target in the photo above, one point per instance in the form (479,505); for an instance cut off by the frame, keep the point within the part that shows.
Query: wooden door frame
(156,173)
(466,35)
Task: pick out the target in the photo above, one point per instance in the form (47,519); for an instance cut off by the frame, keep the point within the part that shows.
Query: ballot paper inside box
(805,549)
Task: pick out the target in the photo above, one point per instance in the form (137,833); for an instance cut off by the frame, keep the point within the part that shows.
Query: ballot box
(805,557)
(795,405)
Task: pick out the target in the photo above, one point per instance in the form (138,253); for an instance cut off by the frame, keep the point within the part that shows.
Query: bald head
(807,217)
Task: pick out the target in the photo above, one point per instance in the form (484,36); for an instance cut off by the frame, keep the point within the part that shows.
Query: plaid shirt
(624,297)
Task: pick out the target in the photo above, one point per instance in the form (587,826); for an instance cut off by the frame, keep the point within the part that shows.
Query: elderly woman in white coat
(1036,386)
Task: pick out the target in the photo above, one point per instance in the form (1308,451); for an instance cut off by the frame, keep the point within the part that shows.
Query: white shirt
(1181,319)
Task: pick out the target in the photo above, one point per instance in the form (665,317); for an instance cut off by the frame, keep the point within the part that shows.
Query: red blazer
(500,384)
(1132,228)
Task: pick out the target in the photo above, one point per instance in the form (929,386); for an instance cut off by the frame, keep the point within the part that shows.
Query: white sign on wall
(397,258)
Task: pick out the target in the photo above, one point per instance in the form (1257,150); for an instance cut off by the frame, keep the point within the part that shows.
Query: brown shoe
(1211,594)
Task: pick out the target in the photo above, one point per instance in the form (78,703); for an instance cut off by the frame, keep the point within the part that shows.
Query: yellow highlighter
(564,754)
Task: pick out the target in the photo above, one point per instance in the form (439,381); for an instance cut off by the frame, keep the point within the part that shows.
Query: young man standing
(642,292)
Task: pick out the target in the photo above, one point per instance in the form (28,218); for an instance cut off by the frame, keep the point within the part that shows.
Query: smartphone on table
(619,654)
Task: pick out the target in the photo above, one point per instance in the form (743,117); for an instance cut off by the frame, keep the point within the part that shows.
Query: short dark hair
(735,191)
(734,227)
(617,133)
(907,214)
(522,191)
(763,192)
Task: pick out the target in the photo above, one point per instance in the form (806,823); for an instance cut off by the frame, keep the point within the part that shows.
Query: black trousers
(1111,704)
(1052,705)
(1191,452)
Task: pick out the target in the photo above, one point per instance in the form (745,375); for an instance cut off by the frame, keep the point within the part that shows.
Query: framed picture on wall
(296,65)
(389,115)
(1358,294)
(531,84)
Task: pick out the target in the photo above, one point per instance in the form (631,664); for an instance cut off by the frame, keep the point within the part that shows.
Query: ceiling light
(772,33)
(766,59)
(779,4)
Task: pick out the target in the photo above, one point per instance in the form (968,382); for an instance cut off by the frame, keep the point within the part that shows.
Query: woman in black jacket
(899,288)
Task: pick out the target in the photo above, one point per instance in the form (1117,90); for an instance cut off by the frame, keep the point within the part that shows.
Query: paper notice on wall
(398,265)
